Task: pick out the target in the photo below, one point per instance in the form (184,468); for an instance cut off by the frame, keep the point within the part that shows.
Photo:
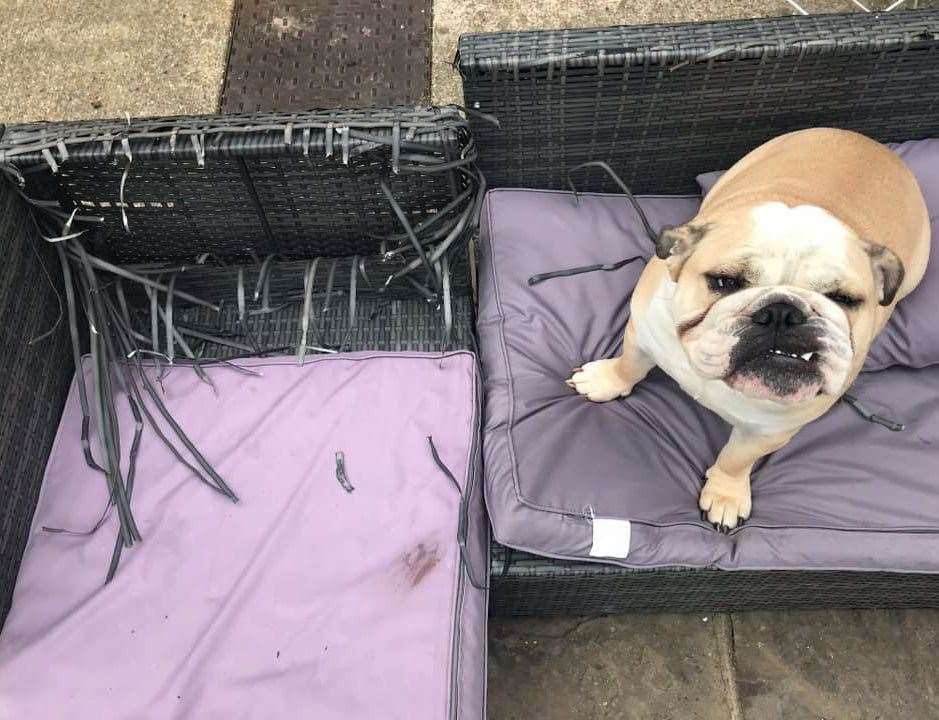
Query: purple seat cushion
(303,600)
(845,493)
(911,338)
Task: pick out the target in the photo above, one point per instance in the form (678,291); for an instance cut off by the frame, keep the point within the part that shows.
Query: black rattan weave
(388,314)
(33,379)
(389,325)
(522,584)
(662,103)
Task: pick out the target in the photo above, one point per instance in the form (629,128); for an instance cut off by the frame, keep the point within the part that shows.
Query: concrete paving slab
(105,58)
(845,665)
(641,667)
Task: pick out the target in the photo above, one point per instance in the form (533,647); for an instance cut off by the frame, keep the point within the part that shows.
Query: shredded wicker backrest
(662,103)
(298,184)
(196,239)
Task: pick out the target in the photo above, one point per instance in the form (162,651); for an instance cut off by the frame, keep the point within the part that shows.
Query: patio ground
(112,57)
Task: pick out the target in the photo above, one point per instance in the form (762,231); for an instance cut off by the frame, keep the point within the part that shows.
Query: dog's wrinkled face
(780,303)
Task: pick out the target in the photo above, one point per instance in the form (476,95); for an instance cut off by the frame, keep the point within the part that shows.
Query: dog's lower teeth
(805,356)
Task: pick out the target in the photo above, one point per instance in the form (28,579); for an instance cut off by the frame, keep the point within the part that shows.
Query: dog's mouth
(785,372)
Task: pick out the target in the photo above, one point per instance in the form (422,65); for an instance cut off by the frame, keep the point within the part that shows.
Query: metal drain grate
(320,53)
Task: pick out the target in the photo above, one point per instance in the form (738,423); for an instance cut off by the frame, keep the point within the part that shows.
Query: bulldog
(764,305)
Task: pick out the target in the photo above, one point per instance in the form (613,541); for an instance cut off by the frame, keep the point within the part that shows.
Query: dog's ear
(676,244)
(888,272)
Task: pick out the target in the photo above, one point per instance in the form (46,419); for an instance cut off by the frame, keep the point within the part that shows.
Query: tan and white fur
(764,305)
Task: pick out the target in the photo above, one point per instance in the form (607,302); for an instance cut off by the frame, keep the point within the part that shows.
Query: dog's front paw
(725,498)
(600,381)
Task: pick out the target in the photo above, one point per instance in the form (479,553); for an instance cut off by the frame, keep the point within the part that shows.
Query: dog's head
(779,302)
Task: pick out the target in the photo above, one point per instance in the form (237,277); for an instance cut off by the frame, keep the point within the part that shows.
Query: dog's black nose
(779,316)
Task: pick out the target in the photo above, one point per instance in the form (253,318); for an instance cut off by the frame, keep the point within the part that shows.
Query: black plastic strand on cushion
(568,272)
(624,188)
(463,522)
(605,267)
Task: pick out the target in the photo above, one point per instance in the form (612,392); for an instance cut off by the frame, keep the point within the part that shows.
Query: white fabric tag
(610,538)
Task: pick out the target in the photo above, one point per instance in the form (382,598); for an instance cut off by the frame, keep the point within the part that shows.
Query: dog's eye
(725,283)
(848,301)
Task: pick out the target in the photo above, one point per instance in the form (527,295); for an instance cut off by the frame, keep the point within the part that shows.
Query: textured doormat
(323,53)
